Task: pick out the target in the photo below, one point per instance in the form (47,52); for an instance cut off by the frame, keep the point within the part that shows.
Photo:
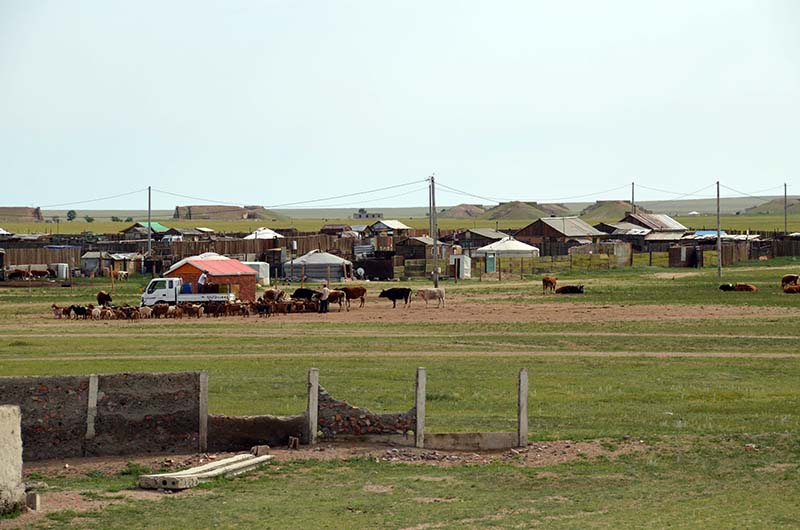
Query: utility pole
(633,197)
(785,211)
(149,228)
(434,232)
(719,239)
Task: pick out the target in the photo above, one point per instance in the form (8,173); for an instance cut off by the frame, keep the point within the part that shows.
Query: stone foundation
(12,490)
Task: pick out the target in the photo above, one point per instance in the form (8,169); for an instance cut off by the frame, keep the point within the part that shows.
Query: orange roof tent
(224,275)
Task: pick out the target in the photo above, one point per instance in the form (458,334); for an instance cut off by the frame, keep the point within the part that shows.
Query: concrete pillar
(12,490)
(522,409)
(91,406)
(312,411)
(419,404)
(202,430)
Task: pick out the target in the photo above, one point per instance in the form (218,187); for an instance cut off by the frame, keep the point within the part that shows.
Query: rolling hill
(514,210)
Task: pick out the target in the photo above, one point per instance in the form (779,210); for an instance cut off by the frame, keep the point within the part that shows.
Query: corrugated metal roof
(571,226)
(487,233)
(663,236)
(658,221)
(222,267)
(390,224)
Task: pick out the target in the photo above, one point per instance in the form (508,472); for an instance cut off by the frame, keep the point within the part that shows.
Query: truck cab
(161,290)
(173,290)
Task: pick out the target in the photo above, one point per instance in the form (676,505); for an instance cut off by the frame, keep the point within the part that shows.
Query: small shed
(419,247)
(139,230)
(389,227)
(333,229)
(224,275)
(474,238)
(507,247)
(318,266)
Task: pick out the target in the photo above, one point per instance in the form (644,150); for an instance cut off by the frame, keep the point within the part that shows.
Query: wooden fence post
(202,441)
(419,404)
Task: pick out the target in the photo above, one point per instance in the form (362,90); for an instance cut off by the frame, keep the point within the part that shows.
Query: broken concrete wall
(146,413)
(124,413)
(12,490)
(342,418)
(240,433)
(54,413)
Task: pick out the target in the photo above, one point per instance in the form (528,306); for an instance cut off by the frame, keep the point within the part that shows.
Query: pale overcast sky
(277,102)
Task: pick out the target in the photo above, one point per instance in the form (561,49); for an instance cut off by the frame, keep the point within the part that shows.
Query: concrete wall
(240,433)
(108,414)
(12,491)
(338,417)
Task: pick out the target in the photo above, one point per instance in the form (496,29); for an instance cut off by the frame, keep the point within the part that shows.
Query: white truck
(173,291)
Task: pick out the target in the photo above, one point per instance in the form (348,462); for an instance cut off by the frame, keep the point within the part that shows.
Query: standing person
(323,298)
(201,282)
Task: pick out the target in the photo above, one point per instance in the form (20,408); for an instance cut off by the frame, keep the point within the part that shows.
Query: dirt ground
(538,454)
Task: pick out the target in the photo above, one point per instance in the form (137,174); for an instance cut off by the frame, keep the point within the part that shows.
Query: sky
(277,103)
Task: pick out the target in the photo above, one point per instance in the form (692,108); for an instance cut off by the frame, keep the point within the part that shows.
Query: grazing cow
(18,275)
(789,279)
(304,294)
(792,289)
(354,293)
(335,296)
(744,287)
(570,289)
(40,275)
(549,284)
(396,293)
(103,299)
(120,275)
(431,293)
(273,295)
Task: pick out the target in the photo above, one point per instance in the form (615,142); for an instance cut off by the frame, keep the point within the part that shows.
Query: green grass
(695,414)
(710,483)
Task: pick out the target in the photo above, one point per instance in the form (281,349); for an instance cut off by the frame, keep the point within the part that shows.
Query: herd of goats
(273,301)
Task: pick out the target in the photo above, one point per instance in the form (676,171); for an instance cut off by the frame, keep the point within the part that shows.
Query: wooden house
(224,275)
(554,235)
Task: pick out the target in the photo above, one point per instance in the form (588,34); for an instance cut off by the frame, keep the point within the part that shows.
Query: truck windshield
(155,285)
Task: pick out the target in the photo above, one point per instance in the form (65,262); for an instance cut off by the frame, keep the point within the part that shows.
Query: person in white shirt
(323,298)
(201,282)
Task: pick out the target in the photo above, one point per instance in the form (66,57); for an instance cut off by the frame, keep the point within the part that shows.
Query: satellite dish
(360,272)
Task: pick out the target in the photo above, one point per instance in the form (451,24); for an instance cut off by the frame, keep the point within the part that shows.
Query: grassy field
(647,354)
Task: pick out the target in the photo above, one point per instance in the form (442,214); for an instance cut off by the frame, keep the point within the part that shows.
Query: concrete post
(12,490)
(419,404)
(202,435)
(313,405)
(91,410)
(522,409)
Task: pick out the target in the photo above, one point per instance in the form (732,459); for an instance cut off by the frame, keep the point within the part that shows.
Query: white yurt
(508,246)
(317,266)
(264,233)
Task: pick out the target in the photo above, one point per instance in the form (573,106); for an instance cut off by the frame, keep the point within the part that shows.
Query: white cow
(431,293)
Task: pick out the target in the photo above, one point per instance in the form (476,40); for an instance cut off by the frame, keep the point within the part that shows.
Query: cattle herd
(271,302)
(303,300)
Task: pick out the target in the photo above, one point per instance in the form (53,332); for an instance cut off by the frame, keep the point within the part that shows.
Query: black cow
(396,293)
(305,294)
(570,289)
(727,287)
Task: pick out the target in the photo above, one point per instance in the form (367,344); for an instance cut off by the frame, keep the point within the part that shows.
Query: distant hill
(20,214)
(775,206)
(514,210)
(610,210)
(224,212)
(559,210)
(463,211)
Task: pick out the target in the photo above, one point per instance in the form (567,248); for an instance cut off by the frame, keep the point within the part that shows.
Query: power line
(94,200)
(680,195)
(753,195)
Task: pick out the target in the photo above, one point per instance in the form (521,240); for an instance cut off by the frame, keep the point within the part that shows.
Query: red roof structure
(222,267)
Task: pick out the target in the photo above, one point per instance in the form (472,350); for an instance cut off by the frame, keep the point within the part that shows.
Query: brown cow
(549,284)
(160,310)
(354,293)
(103,299)
(273,295)
(747,287)
(789,279)
(792,289)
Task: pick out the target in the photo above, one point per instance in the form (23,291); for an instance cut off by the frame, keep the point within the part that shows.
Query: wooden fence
(42,256)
